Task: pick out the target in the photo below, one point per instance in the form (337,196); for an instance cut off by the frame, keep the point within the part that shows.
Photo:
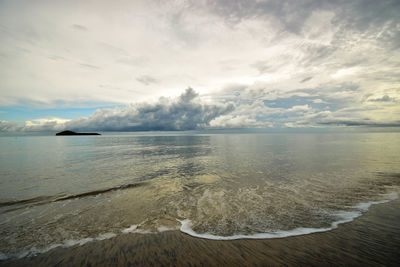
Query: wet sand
(371,240)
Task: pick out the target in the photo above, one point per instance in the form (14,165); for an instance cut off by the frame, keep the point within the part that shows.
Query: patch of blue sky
(292,101)
(279,116)
(22,114)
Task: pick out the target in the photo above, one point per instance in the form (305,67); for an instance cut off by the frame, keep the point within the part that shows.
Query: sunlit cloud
(310,57)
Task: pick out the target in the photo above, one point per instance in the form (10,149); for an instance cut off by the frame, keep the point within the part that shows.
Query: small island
(75,133)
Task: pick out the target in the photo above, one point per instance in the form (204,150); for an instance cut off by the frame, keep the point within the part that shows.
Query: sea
(62,191)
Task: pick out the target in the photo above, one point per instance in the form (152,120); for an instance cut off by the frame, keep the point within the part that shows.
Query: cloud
(183,113)
(186,112)
(42,124)
(350,122)
(237,122)
(89,66)
(306,79)
(299,108)
(79,27)
(146,79)
(6,126)
(190,112)
(45,124)
(326,105)
(384,98)
(319,101)
(266,57)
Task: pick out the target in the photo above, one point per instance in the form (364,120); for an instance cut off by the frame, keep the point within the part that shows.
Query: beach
(200,133)
(372,239)
(200,199)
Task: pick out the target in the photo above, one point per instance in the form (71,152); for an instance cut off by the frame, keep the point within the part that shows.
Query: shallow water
(62,191)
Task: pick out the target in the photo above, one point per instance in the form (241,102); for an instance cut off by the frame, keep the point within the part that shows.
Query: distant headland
(75,133)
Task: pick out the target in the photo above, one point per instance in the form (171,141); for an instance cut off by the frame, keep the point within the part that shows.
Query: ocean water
(70,190)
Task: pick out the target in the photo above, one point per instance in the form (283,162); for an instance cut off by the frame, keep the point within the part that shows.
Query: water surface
(62,191)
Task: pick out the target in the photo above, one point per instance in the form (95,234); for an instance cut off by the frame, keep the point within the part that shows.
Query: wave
(25,201)
(186,227)
(102,191)
(345,217)
(48,199)
(68,243)
(134,229)
(79,242)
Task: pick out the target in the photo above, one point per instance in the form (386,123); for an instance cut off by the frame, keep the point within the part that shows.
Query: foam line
(186,227)
(67,243)
(345,217)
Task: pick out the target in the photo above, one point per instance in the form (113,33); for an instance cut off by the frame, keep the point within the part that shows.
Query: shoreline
(373,239)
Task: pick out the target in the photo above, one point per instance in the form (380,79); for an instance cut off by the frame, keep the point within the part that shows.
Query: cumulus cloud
(183,113)
(299,108)
(186,112)
(45,124)
(42,124)
(237,122)
(384,98)
(280,62)
(6,126)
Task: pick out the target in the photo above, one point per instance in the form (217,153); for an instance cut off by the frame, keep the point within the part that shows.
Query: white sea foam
(186,227)
(345,217)
(130,229)
(106,236)
(367,205)
(67,243)
(163,228)
(134,229)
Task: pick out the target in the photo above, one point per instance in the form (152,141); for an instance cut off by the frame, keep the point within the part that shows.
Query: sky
(201,64)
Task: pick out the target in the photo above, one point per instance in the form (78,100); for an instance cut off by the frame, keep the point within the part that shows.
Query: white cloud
(239,121)
(45,124)
(186,112)
(318,101)
(299,108)
(6,126)
(79,54)
(341,73)
(43,121)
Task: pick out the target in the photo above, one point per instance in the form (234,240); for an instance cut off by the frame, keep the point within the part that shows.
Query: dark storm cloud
(183,113)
